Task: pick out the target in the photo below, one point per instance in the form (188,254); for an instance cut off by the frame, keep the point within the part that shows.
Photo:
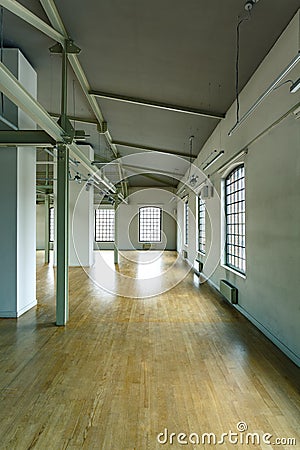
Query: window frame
(51,224)
(110,233)
(201,225)
(160,224)
(237,207)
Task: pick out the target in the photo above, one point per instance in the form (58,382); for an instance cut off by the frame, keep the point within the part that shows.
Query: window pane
(51,225)
(150,224)
(104,225)
(235,219)
(201,225)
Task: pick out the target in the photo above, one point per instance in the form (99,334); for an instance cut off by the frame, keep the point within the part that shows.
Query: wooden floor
(125,369)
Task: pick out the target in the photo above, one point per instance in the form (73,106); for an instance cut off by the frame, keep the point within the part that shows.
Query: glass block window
(104,225)
(150,224)
(186,222)
(235,219)
(51,225)
(201,225)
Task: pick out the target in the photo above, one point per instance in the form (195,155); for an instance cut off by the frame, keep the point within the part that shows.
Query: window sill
(234,271)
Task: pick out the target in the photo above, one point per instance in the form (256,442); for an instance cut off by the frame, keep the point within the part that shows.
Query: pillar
(18,202)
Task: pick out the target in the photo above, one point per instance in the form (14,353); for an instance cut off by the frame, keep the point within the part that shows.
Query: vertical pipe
(62,241)
(116,251)
(64,87)
(47,228)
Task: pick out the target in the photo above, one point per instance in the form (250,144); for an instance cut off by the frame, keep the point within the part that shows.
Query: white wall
(81,219)
(40,227)
(127,219)
(17,198)
(269,295)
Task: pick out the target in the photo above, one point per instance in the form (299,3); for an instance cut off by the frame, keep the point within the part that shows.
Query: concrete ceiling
(175,52)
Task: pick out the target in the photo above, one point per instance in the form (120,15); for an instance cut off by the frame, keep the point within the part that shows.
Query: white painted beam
(24,13)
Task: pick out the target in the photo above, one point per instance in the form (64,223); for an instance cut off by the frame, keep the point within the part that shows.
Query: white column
(81,216)
(18,204)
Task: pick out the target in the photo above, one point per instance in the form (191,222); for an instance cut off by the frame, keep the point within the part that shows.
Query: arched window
(235,250)
(150,224)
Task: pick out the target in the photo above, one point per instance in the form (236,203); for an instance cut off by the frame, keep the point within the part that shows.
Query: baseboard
(286,350)
(26,308)
(20,312)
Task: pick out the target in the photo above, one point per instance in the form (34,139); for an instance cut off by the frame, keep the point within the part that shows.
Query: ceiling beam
(33,138)
(152,149)
(24,13)
(159,105)
(13,89)
(75,119)
(151,170)
(56,21)
(152,177)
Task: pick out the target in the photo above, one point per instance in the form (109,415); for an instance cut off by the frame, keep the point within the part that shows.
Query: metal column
(62,211)
(47,228)
(62,232)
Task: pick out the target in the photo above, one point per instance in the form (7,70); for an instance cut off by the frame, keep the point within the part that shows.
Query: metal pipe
(19,10)
(8,123)
(12,88)
(152,149)
(272,86)
(58,36)
(159,105)
(62,235)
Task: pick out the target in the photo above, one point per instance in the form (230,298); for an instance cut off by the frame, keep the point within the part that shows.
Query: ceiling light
(77,178)
(221,153)
(193,180)
(295,86)
(249,5)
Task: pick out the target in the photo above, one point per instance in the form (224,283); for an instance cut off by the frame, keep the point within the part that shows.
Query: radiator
(230,292)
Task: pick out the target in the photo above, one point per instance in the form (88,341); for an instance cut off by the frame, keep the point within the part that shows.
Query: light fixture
(295,86)
(77,178)
(249,4)
(193,180)
(221,153)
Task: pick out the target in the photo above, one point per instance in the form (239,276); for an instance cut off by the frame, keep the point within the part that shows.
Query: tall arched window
(235,250)
(201,225)
(150,224)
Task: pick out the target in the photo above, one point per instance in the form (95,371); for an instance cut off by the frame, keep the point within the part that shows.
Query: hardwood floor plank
(124,368)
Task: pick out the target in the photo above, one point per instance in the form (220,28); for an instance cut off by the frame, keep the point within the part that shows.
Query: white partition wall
(81,216)
(17,200)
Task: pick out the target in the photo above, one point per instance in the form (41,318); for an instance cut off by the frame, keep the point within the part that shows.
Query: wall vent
(146,246)
(184,254)
(230,292)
